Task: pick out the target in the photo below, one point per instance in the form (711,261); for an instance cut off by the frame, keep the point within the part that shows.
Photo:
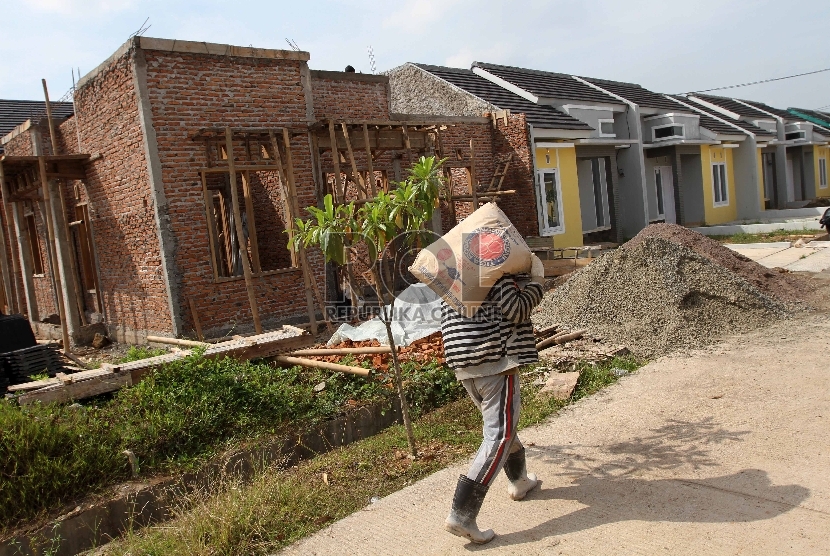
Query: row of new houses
(129,217)
(613,157)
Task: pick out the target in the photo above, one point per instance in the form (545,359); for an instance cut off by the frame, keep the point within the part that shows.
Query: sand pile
(655,295)
(776,282)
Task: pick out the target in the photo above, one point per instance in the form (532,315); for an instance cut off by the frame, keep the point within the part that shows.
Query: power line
(761,81)
(822,107)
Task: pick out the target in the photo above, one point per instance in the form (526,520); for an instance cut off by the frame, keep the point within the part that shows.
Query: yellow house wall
(728,213)
(564,160)
(821,152)
(761,180)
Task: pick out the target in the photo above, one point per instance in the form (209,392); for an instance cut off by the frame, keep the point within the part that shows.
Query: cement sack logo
(486,246)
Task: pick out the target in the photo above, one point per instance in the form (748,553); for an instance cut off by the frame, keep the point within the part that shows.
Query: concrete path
(722,451)
(813,258)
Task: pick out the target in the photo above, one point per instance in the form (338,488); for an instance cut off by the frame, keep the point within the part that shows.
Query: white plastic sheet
(417,314)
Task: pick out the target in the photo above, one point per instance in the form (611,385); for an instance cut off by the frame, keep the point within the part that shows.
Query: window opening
(606,128)
(822,173)
(719,184)
(658,182)
(668,132)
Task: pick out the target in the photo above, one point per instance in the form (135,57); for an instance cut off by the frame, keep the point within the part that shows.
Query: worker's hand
(537,270)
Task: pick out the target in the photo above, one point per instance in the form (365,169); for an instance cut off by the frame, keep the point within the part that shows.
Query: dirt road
(722,451)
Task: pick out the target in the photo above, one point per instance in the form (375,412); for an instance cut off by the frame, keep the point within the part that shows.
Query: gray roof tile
(15,112)
(538,115)
(548,84)
(709,121)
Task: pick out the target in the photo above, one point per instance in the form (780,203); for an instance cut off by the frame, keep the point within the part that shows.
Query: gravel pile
(654,296)
(776,282)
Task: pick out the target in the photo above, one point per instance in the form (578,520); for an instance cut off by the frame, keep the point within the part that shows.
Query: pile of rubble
(655,295)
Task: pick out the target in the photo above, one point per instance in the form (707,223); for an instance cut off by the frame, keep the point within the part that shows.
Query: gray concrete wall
(693,206)
(592,117)
(633,215)
(809,173)
(415,91)
(747,180)
(691,124)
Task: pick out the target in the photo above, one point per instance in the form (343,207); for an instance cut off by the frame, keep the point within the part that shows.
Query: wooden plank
(372,185)
(319,352)
(407,144)
(51,244)
(211,224)
(196,323)
(249,212)
(288,360)
(339,188)
(78,390)
(288,214)
(358,179)
(240,237)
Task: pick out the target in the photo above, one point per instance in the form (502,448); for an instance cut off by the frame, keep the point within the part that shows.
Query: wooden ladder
(501,171)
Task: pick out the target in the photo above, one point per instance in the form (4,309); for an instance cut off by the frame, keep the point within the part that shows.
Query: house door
(664,182)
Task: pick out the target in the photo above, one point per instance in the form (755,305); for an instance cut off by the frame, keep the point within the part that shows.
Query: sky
(667,46)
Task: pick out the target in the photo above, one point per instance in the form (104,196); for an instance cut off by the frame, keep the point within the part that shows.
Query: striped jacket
(500,328)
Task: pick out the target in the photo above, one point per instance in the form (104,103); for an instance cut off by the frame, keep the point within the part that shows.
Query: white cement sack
(463,265)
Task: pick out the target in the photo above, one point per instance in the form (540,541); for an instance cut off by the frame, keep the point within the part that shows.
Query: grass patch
(767,237)
(136,353)
(282,506)
(177,417)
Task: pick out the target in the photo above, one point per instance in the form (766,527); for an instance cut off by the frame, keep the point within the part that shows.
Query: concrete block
(560,385)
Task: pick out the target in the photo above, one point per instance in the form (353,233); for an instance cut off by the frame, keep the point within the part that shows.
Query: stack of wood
(561,346)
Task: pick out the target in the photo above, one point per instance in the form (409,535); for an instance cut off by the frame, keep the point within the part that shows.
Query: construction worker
(485,352)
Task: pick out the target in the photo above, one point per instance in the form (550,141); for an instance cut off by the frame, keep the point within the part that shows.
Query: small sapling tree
(385,227)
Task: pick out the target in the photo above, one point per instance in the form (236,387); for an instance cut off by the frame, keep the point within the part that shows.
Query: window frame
(654,129)
(720,185)
(661,202)
(822,172)
(35,250)
(245,205)
(540,177)
(605,121)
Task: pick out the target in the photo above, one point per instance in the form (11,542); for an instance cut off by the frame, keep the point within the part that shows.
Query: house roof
(548,84)
(823,132)
(635,93)
(15,112)
(732,106)
(821,116)
(538,115)
(709,120)
(771,109)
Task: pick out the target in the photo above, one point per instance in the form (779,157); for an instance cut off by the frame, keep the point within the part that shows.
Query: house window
(606,128)
(34,245)
(261,209)
(720,187)
(671,131)
(822,173)
(795,135)
(551,195)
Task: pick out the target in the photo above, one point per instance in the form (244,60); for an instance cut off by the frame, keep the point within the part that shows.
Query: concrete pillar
(631,166)
(747,180)
(782,180)
(68,279)
(24,250)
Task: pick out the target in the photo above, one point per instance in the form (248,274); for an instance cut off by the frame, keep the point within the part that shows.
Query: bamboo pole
(52,248)
(240,236)
(288,360)
(343,351)
(175,341)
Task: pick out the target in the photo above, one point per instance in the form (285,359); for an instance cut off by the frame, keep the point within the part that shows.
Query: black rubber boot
(469,496)
(515,467)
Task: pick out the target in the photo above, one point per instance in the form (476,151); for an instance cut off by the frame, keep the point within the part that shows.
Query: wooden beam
(372,185)
(50,240)
(358,179)
(196,322)
(9,275)
(240,236)
(211,224)
(294,205)
(289,214)
(52,134)
(24,253)
(339,189)
(407,144)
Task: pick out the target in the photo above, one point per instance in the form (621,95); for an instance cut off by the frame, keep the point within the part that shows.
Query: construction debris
(655,295)
(560,385)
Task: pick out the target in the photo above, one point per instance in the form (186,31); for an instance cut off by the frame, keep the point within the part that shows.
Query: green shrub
(136,353)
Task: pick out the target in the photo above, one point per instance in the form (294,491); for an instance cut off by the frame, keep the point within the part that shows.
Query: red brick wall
(520,207)
(188,92)
(349,97)
(121,206)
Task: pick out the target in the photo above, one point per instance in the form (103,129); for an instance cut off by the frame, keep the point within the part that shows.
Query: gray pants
(498,399)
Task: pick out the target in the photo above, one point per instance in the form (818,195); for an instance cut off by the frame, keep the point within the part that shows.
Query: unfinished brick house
(162,206)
